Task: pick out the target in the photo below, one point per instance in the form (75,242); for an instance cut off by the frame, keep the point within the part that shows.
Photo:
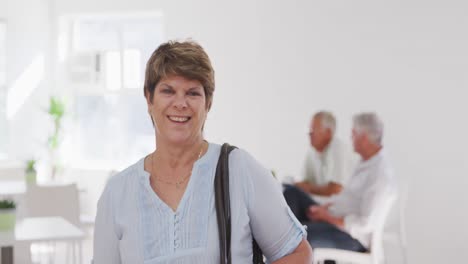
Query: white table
(42,229)
(11,188)
(18,187)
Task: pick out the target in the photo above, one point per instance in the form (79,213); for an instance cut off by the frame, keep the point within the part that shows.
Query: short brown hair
(187,59)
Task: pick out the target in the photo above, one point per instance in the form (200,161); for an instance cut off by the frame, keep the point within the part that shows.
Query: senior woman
(162,208)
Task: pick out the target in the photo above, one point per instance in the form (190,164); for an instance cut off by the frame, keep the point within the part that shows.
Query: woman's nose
(180,102)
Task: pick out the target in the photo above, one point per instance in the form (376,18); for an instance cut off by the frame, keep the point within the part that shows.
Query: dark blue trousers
(319,234)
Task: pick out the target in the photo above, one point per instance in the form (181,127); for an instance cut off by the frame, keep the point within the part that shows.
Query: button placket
(176,231)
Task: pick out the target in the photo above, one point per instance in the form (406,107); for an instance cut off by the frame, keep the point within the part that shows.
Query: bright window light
(131,71)
(112,66)
(111,126)
(22,87)
(2,54)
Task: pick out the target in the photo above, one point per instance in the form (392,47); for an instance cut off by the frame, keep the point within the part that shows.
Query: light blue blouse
(134,226)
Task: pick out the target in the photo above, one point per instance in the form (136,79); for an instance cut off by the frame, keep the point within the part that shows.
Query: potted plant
(31,173)
(7,215)
(56,112)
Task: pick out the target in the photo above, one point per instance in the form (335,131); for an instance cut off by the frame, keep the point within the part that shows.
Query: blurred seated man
(328,162)
(348,221)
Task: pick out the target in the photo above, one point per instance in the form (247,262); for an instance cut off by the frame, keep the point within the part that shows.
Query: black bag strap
(222,202)
(257,257)
(223,209)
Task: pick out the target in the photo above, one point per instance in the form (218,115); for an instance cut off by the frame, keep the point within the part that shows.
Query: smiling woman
(161,209)
(178,109)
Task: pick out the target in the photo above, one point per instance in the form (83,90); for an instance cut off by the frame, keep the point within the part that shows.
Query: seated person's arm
(325,190)
(321,213)
(374,199)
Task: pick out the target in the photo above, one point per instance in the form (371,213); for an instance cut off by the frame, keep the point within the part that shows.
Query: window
(106,62)
(120,46)
(3,121)
(110,131)
(2,53)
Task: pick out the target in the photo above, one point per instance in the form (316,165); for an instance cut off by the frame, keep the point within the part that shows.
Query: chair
(397,235)
(55,200)
(376,254)
(11,173)
(402,224)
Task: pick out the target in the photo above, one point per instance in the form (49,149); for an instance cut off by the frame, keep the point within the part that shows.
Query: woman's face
(178,109)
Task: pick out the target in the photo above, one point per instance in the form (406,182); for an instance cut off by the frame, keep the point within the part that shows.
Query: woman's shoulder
(245,167)
(126,176)
(242,157)
(238,154)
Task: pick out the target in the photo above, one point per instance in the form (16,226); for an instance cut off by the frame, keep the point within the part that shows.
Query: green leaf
(53,141)
(30,165)
(7,204)
(56,108)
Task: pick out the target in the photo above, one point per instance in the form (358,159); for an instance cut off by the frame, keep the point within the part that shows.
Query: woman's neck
(176,155)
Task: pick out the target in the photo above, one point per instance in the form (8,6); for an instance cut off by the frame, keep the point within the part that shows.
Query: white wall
(276,63)
(28,38)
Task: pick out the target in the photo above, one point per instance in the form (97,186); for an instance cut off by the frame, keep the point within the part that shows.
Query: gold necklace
(177,183)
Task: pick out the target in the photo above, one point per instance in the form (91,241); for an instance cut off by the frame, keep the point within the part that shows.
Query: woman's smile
(179,119)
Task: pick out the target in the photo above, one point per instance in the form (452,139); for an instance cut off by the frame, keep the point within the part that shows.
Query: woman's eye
(194,93)
(167,91)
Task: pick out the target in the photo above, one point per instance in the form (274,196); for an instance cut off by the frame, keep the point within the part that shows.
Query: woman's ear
(149,103)
(147,97)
